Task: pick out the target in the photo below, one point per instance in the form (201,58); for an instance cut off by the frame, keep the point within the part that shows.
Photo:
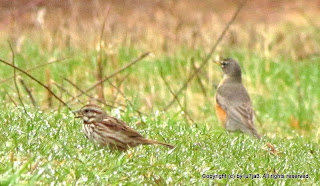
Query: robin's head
(90,113)
(231,68)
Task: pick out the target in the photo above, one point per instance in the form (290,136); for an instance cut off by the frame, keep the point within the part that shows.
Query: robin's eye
(223,64)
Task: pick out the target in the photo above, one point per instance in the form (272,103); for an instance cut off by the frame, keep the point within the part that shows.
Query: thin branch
(12,88)
(66,91)
(119,85)
(49,95)
(122,94)
(12,100)
(61,93)
(15,79)
(39,82)
(97,99)
(198,78)
(78,88)
(112,75)
(34,68)
(206,60)
(100,88)
(176,98)
(33,101)
(100,61)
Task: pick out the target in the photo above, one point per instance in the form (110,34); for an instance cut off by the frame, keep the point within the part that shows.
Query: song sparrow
(105,130)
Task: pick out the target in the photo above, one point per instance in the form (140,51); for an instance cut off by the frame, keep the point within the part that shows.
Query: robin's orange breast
(221,114)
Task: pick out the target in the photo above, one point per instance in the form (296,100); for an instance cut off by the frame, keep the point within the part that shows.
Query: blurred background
(174,23)
(276,41)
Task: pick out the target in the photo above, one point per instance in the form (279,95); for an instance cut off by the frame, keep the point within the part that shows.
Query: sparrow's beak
(77,114)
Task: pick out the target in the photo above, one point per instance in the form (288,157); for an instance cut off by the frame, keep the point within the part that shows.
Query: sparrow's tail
(151,142)
(255,133)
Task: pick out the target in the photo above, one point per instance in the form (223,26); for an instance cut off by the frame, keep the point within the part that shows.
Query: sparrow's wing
(117,125)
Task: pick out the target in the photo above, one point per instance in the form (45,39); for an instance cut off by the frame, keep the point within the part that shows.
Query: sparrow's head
(90,113)
(231,68)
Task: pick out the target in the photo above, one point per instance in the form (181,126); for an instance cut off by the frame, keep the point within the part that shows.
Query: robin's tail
(152,142)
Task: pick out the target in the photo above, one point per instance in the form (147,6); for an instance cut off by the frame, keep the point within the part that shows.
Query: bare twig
(112,75)
(66,91)
(82,91)
(119,85)
(11,87)
(34,68)
(49,95)
(100,88)
(24,85)
(198,78)
(176,98)
(122,94)
(15,79)
(39,82)
(206,60)
(12,100)
(100,60)
(60,95)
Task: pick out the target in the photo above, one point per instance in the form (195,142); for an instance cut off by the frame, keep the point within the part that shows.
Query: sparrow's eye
(86,110)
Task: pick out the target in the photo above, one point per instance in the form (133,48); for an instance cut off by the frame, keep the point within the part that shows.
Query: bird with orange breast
(233,105)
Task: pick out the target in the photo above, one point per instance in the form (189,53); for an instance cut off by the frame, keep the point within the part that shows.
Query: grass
(49,147)
(281,71)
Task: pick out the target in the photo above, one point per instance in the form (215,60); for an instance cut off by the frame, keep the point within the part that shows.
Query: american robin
(233,104)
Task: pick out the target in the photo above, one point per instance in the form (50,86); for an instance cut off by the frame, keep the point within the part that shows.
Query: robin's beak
(218,62)
(77,114)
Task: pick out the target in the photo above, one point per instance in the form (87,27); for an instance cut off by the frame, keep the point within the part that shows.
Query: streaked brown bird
(106,130)
(233,105)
